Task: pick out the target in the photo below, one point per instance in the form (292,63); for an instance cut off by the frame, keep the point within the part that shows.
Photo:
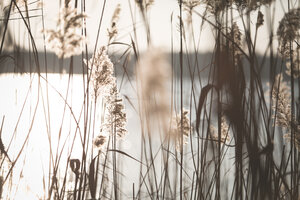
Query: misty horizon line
(19,62)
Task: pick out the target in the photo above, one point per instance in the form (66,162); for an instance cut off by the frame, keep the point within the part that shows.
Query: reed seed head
(65,40)
(189,5)
(145,4)
(116,116)
(293,61)
(224,131)
(113,30)
(180,125)
(102,70)
(153,74)
(216,6)
(281,99)
(288,31)
(251,5)
(260,19)
(104,85)
(233,45)
(296,138)
(100,141)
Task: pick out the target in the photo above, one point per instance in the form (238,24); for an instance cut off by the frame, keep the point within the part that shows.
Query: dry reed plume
(104,87)
(288,31)
(113,30)
(281,98)
(225,137)
(101,73)
(154,76)
(180,126)
(66,39)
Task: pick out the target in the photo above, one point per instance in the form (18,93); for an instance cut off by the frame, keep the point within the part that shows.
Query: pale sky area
(160,24)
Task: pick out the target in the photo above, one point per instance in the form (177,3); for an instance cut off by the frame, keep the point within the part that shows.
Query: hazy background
(160,24)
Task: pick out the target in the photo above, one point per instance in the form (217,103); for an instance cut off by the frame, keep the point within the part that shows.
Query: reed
(147,122)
